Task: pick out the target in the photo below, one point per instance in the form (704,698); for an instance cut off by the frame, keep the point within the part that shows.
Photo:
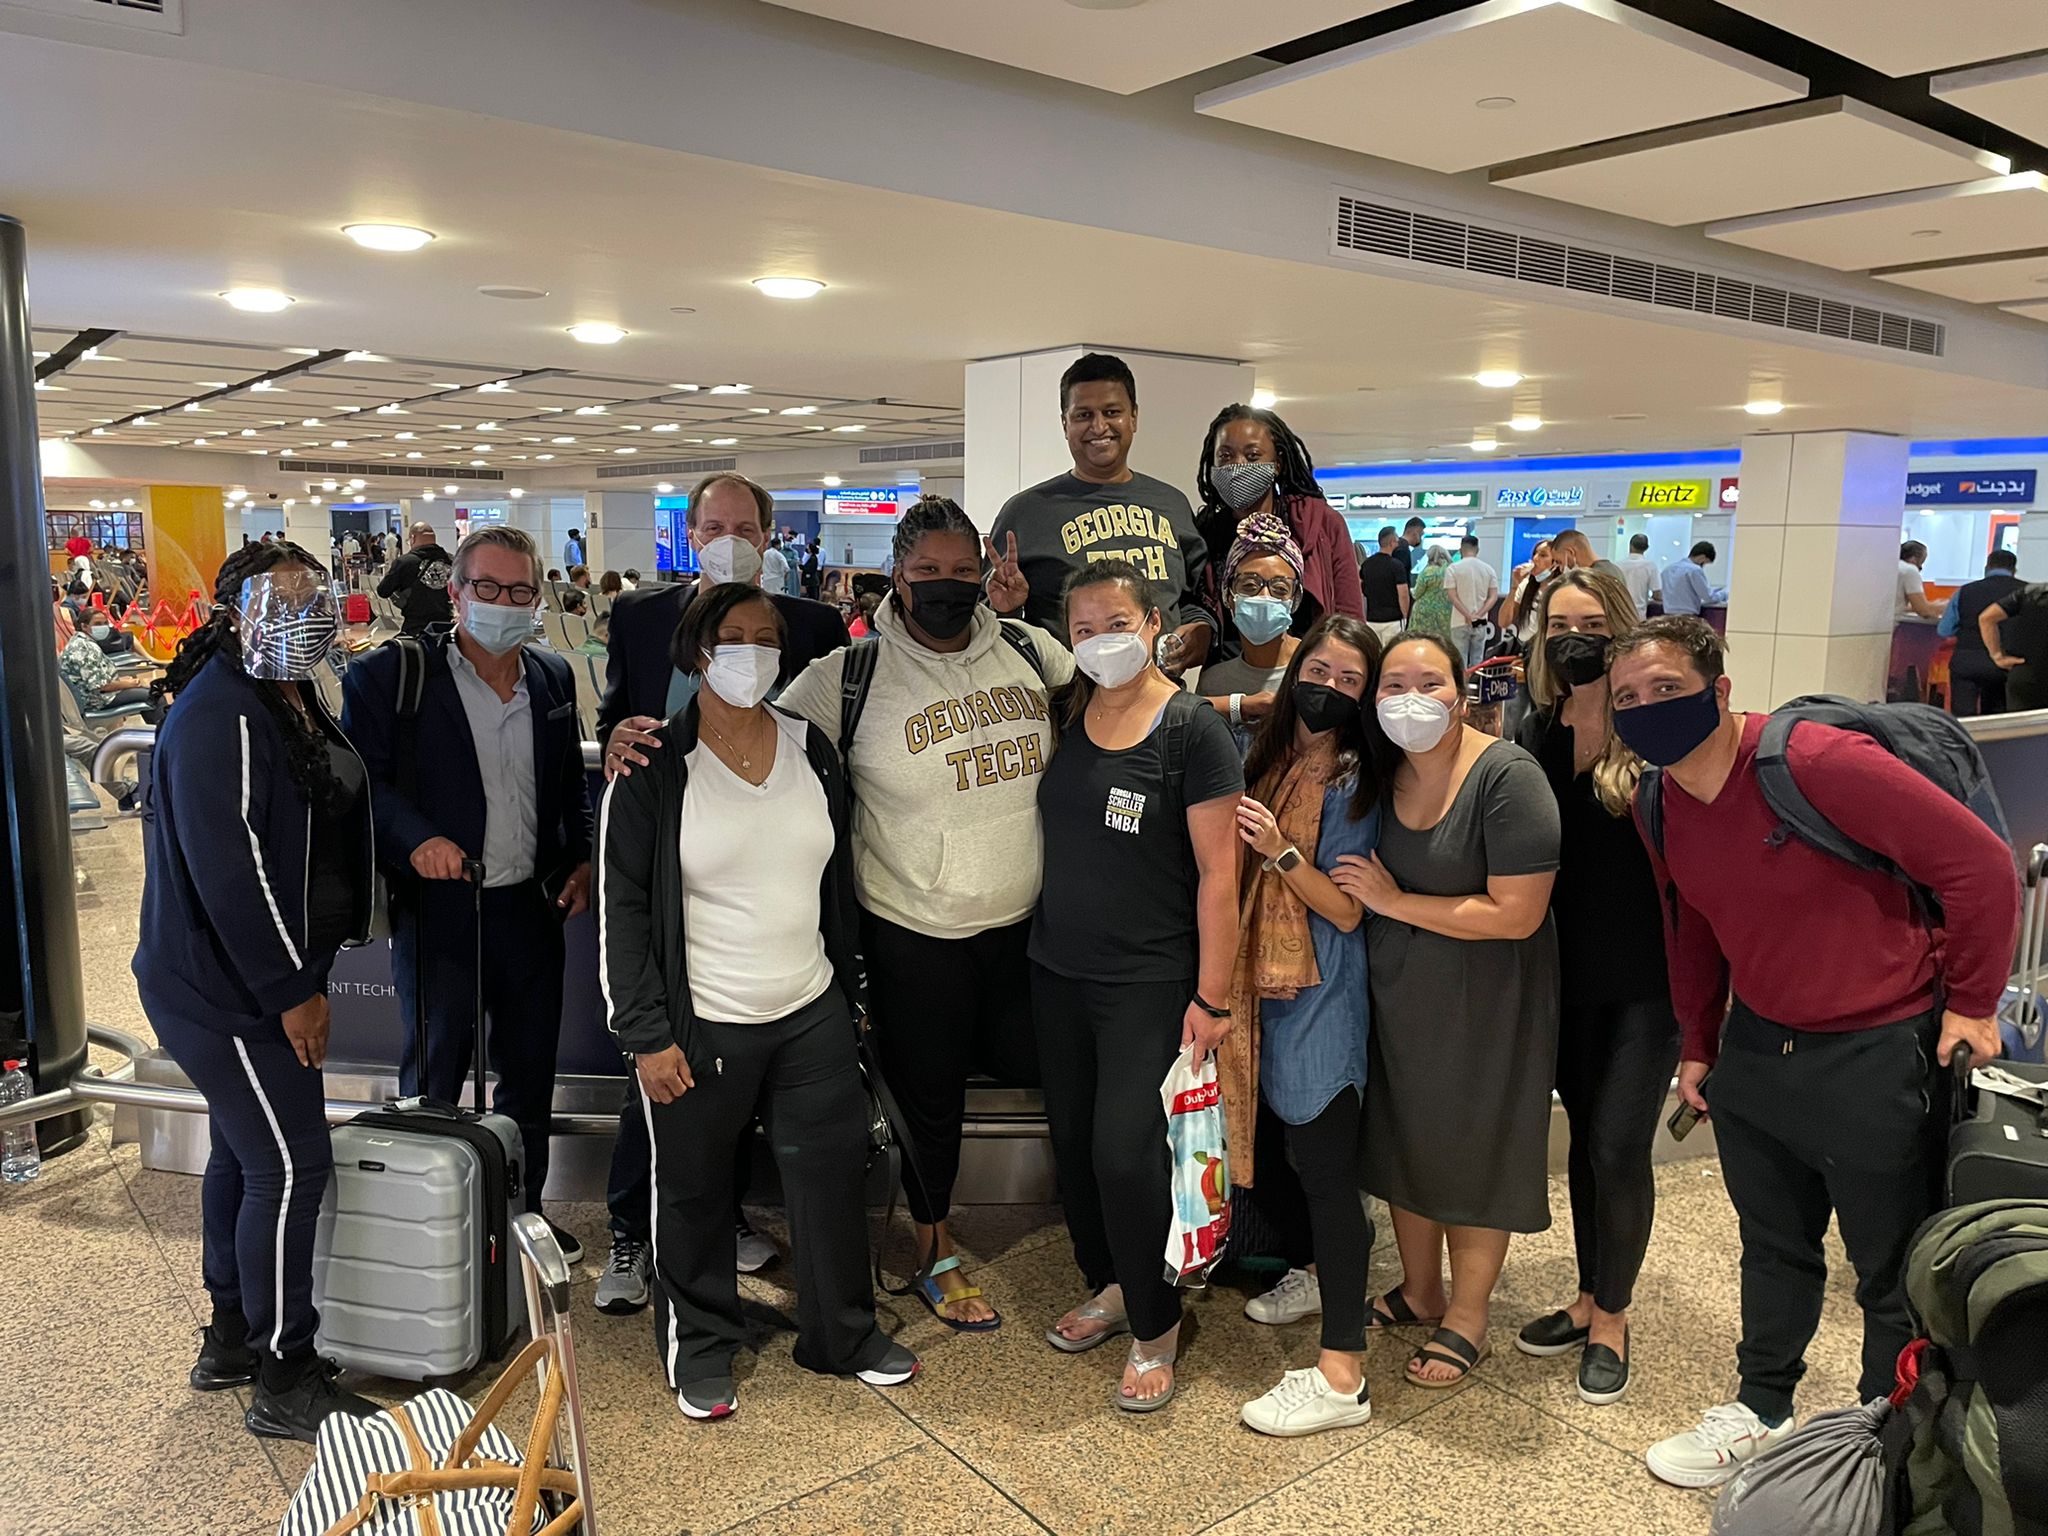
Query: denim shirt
(1312,1046)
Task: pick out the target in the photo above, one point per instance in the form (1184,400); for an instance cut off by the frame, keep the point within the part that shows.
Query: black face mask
(942,607)
(1323,708)
(1577,659)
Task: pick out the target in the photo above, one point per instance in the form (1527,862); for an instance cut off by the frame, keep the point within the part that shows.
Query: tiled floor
(99,1268)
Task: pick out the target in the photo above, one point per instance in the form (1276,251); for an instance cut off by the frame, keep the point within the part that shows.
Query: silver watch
(1286,860)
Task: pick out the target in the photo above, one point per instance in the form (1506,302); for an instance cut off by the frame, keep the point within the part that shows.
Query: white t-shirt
(753,858)
(1911,584)
(1469,580)
(1640,572)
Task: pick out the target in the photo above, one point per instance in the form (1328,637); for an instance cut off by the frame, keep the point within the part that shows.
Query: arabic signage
(1380,501)
(1536,497)
(1669,495)
(1448,501)
(1963,488)
(871,503)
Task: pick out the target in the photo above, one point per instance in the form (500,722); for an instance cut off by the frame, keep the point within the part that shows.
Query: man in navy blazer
(491,769)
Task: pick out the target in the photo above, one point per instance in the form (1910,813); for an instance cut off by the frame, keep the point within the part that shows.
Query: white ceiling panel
(1910,37)
(2013,94)
(1121,48)
(2004,279)
(2004,213)
(2038,310)
(1504,80)
(1781,157)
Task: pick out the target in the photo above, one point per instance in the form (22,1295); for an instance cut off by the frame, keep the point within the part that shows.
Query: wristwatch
(1237,709)
(1286,860)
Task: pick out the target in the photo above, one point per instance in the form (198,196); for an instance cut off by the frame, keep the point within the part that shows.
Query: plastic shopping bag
(1201,1175)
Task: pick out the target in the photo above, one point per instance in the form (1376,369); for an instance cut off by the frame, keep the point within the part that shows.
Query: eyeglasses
(1282,587)
(523,594)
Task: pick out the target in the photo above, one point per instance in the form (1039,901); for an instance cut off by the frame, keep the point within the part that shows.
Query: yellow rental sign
(1670,495)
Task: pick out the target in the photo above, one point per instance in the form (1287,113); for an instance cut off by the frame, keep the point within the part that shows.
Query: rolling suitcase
(1998,1146)
(414,1269)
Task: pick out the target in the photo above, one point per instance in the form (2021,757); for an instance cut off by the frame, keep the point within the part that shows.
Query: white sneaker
(754,1251)
(1305,1404)
(1299,1294)
(1712,1453)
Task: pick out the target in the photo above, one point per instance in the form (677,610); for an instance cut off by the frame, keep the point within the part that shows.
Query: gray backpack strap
(1018,638)
(854,678)
(1797,815)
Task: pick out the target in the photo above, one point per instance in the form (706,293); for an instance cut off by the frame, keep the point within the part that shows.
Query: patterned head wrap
(1260,535)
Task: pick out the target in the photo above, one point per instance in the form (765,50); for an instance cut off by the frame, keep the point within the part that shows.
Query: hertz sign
(1670,495)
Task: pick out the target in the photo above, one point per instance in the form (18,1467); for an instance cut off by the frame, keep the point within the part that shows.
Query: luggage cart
(1488,687)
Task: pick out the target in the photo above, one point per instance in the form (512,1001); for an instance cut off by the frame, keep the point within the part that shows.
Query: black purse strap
(900,1153)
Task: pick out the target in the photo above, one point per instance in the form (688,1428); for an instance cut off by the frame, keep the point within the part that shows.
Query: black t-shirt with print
(1066,522)
(1118,902)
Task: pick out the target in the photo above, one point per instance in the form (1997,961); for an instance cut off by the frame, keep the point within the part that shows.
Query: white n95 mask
(730,558)
(1113,660)
(743,675)
(1414,722)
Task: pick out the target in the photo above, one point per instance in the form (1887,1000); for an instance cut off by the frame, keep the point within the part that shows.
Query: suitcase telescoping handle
(473,872)
(1960,1107)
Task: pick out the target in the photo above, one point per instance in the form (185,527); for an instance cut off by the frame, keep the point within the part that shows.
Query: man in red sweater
(1838,1002)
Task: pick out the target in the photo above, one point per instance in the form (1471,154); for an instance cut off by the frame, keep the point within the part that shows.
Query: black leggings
(1105,1047)
(1308,1188)
(1614,1066)
(941,1009)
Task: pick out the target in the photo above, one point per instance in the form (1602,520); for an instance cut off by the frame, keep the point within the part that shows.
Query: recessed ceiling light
(143,421)
(668,426)
(759,410)
(1494,103)
(259,301)
(1484,445)
(265,387)
(731,389)
(688,389)
(1924,234)
(478,463)
(316,500)
(248,431)
(209,383)
(387,237)
(479,447)
(625,450)
(597,333)
(330,485)
(1527,421)
(198,442)
(855,427)
(789,287)
(561,439)
(1264,399)
(309,421)
(515,492)
(354,485)
(589,410)
(404,437)
(349,410)
(192,405)
(393,409)
(799,410)
(415,454)
(498,291)
(543,457)
(663,487)
(339,442)
(424,496)
(46,384)
(723,442)
(1496,378)
(831,480)
(1764,407)
(450,490)
(99,431)
(127,501)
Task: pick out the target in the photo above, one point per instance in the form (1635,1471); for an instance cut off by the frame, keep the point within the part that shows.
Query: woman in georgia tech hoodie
(945,730)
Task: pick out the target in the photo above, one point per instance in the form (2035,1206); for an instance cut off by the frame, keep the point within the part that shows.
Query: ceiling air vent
(156,15)
(668,467)
(912,453)
(1373,229)
(386,471)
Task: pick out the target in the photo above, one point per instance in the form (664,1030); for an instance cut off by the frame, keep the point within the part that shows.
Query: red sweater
(1330,566)
(1808,941)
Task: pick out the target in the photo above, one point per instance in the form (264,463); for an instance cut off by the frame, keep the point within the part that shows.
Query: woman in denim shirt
(1298,1072)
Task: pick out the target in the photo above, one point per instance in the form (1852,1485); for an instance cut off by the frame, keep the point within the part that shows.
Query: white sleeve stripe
(604,970)
(284,1203)
(256,854)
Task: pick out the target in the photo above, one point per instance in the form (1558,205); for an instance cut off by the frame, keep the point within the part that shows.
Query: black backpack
(1927,739)
(859,672)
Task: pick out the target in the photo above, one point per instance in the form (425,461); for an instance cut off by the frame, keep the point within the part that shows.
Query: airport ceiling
(1903,132)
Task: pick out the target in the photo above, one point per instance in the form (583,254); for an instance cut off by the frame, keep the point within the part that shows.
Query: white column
(309,527)
(2033,550)
(1013,419)
(620,531)
(1814,577)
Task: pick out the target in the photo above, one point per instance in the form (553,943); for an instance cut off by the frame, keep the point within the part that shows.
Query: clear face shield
(288,623)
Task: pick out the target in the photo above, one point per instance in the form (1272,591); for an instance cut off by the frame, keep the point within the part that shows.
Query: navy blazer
(638,668)
(448,799)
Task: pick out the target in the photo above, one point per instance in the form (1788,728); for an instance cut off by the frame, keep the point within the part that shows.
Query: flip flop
(937,1300)
(1089,1312)
(1446,1347)
(1146,1364)
(1397,1314)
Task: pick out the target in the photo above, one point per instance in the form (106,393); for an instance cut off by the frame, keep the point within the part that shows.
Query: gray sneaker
(755,1251)
(623,1287)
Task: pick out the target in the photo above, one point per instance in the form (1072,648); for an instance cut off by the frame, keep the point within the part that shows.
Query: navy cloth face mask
(1671,729)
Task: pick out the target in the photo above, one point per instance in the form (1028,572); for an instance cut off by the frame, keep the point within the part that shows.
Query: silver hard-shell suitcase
(415,1272)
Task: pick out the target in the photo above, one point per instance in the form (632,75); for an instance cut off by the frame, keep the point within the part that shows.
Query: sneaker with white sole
(1306,1404)
(755,1251)
(893,1369)
(1299,1294)
(712,1398)
(625,1284)
(1716,1449)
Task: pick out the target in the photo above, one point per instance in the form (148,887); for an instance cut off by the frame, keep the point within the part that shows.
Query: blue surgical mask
(1260,619)
(497,627)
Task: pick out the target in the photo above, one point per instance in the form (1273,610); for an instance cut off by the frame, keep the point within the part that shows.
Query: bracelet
(1237,709)
(1213,1012)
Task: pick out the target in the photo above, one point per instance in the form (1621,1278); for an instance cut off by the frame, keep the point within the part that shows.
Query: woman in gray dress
(1464,1001)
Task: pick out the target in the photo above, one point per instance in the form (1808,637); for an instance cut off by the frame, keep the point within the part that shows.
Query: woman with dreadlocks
(1252,462)
(259,861)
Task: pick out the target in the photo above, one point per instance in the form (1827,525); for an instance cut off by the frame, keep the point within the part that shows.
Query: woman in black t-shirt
(1141,854)
(1618,1037)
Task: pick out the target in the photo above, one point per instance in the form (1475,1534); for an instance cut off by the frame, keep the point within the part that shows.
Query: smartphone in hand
(1685,1117)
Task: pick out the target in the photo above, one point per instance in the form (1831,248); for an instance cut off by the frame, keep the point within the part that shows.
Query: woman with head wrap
(1262,588)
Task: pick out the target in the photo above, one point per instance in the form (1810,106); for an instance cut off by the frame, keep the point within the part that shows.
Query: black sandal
(1446,1348)
(1392,1311)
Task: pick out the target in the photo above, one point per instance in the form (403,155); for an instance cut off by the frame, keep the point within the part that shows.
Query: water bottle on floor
(20,1159)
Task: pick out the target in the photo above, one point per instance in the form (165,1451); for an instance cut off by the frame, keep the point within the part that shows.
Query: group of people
(1001,834)
(2000,628)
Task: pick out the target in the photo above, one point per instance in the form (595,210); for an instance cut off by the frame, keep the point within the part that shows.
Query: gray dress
(1463,1049)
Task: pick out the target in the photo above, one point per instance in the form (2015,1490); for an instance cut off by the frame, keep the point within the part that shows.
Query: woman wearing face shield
(1464,1001)
(1618,1038)
(948,739)
(1131,955)
(727,948)
(1262,583)
(259,861)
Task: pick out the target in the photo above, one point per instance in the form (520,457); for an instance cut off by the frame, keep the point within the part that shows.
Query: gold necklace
(746,762)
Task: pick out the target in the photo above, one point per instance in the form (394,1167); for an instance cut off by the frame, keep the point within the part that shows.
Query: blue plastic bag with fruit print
(1201,1172)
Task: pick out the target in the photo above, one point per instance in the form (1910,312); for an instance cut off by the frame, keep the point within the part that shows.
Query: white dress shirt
(503,733)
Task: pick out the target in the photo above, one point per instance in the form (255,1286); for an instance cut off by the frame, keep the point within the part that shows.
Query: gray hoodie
(944,767)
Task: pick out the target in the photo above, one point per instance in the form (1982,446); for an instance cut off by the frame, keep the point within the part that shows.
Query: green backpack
(1969,1443)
